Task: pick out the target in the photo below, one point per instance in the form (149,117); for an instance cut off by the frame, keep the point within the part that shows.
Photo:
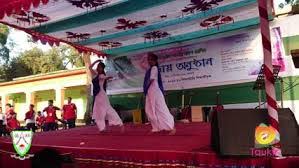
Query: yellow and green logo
(22,142)
(265,136)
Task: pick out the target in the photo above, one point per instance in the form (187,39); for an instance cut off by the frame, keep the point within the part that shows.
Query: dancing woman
(155,105)
(102,110)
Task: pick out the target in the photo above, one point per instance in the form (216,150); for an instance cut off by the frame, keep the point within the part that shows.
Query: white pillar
(59,97)
(30,99)
(4,101)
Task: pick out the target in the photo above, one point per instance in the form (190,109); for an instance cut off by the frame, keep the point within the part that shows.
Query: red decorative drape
(9,6)
(44,39)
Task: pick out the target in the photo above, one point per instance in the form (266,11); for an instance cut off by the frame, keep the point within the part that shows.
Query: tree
(35,61)
(71,56)
(57,58)
(4,51)
(32,59)
(42,62)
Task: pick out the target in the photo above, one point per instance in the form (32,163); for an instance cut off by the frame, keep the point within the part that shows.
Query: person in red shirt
(69,113)
(8,111)
(50,120)
(40,120)
(13,123)
(30,118)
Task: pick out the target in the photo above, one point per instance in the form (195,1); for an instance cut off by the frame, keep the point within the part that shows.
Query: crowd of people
(44,121)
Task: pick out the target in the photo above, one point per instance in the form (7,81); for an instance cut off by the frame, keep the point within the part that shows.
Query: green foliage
(36,61)
(54,59)
(16,68)
(71,56)
(4,31)
(4,51)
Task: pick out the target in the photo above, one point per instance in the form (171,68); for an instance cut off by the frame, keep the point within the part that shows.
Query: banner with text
(207,63)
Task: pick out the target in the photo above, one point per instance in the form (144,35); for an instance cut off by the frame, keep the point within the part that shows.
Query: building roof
(51,75)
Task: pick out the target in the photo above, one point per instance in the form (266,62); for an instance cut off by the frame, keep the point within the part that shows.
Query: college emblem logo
(22,143)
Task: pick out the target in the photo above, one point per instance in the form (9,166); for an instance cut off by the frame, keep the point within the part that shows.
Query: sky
(21,43)
(20,39)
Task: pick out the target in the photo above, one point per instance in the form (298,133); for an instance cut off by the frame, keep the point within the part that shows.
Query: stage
(137,147)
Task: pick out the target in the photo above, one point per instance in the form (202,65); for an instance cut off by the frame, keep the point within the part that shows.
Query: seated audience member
(8,111)
(47,158)
(13,123)
(40,120)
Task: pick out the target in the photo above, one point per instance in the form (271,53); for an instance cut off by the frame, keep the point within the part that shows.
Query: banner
(219,61)
(282,6)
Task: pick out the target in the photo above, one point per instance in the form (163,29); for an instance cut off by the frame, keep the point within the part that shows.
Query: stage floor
(137,147)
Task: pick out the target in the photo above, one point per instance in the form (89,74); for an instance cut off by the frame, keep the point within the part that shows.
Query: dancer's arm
(93,72)
(102,76)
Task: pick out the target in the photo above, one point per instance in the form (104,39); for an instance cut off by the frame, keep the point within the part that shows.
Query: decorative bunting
(44,39)
(8,7)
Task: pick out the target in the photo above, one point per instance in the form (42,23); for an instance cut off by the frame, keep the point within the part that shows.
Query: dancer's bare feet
(104,131)
(153,132)
(172,132)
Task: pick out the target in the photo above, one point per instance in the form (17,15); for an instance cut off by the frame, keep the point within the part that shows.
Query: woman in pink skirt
(102,110)
(155,106)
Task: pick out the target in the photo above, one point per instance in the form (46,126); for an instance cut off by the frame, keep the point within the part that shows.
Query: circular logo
(265,135)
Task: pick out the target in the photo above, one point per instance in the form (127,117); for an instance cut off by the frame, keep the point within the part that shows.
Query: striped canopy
(118,26)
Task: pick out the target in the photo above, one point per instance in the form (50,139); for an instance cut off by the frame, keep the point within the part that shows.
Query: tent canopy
(118,26)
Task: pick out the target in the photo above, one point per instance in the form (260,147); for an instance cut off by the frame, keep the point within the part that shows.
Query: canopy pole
(87,62)
(269,78)
(89,101)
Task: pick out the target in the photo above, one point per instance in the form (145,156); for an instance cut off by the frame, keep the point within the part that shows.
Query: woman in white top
(102,110)
(155,105)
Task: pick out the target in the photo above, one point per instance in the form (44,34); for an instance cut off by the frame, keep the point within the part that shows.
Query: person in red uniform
(13,123)
(69,113)
(8,111)
(40,120)
(50,120)
(30,118)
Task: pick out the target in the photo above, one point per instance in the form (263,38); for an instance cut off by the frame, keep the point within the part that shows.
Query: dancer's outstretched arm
(93,72)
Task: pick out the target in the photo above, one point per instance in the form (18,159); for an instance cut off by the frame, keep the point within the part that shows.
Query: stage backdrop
(225,60)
